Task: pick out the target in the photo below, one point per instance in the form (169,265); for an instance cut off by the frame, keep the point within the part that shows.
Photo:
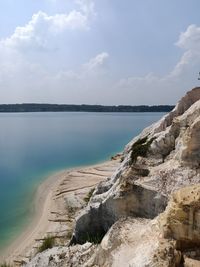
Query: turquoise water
(34,145)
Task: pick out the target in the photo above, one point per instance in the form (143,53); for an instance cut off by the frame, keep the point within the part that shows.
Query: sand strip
(50,211)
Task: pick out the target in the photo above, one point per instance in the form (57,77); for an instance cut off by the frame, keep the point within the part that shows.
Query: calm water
(34,145)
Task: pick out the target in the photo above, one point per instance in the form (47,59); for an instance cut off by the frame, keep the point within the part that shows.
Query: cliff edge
(148,212)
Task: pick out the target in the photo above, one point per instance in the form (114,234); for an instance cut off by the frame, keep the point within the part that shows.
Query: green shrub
(48,242)
(89,195)
(140,148)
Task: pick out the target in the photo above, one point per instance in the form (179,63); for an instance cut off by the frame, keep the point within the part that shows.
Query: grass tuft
(140,148)
(89,195)
(48,242)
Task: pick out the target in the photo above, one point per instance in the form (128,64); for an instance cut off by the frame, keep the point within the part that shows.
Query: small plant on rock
(140,148)
(48,242)
(89,195)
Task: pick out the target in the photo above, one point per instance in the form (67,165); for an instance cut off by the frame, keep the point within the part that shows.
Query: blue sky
(98,51)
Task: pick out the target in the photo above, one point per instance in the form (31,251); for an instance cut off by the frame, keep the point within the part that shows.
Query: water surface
(34,145)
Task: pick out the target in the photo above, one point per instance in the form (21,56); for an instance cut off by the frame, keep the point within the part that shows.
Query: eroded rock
(122,209)
(181,220)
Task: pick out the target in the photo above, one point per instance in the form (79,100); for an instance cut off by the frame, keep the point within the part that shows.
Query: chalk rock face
(162,159)
(190,151)
(124,198)
(162,125)
(186,102)
(63,256)
(171,238)
(135,242)
(182,136)
(127,211)
(181,220)
(188,262)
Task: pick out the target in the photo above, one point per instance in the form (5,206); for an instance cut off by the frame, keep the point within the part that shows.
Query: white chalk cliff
(148,212)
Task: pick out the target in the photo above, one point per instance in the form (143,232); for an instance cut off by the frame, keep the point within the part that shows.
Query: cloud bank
(25,78)
(42,27)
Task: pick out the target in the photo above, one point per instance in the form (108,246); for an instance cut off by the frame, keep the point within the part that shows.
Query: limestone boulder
(181,219)
(162,159)
(135,242)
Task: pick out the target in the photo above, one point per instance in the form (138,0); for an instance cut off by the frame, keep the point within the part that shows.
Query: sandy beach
(57,202)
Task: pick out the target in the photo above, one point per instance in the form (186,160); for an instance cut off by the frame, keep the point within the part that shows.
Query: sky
(107,52)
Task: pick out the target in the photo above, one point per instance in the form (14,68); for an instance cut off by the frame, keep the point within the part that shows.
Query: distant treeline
(81,108)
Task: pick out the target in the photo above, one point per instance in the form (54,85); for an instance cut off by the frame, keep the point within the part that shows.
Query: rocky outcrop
(181,220)
(170,240)
(126,213)
(189,153)
(97,219)
(182,106)
(164,158)
(64,256)
(135,242)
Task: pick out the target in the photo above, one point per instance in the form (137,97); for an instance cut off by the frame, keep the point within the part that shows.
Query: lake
(35,145)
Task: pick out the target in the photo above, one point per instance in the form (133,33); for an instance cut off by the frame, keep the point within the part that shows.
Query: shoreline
(45,201)
(41,199)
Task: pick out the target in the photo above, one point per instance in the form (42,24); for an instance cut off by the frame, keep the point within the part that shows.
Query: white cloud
(87,72)
(22,71)
(42,28)
(87,6)
(96,62)
(190,42)
(170,87)
(28,81)
(190,39)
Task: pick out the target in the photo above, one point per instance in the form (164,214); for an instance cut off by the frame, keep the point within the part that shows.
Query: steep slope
(164,158)
(127,213)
